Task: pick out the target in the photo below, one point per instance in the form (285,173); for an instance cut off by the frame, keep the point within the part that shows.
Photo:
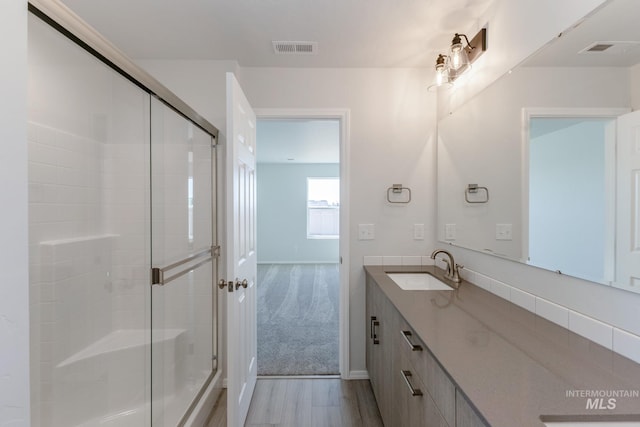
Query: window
(323,208)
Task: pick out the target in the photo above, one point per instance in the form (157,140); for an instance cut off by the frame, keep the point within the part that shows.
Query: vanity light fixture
(459,57)
(463,56)
(449,68)
(443,80)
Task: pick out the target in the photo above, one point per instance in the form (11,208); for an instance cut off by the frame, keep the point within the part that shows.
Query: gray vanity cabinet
(394,367)
(410,386)
(379,348)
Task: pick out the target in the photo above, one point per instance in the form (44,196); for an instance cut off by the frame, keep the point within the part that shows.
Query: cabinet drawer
(436,381)
(414,405)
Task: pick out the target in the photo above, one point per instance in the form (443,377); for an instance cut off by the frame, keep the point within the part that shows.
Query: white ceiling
(615,23)
(298,141)
(349,33)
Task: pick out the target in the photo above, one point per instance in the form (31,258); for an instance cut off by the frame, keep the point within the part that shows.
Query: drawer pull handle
(414,347)
(414,391)
(374,332)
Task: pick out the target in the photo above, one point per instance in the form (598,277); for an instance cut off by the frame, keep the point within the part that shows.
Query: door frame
(342,115)
(611,113)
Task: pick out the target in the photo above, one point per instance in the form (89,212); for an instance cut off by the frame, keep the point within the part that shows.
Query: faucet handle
(455,273)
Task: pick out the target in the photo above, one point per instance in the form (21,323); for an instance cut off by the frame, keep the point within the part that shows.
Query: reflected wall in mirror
(543,140)
(571,184)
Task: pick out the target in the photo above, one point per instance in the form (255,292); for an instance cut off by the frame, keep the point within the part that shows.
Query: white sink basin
(418,282)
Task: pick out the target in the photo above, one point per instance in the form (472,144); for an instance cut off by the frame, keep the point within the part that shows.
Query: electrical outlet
(450,232)
(366,231)
(418,231)
(504,232)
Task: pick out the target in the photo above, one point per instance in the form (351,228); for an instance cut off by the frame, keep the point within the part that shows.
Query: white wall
(14,290)
(567,198)
(282,214)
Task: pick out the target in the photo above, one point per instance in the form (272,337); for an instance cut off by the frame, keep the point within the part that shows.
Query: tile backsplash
(618,340)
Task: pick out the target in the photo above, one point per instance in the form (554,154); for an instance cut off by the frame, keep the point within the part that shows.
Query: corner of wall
(14,259)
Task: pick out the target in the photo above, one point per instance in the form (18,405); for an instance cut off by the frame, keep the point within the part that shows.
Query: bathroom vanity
(468,358)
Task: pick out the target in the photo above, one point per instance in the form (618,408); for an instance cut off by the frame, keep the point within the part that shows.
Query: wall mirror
(537,168)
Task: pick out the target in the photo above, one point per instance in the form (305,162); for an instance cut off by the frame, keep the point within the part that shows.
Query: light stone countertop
(514,366)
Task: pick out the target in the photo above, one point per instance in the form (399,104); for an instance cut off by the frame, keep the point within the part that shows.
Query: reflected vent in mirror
(599,47)
(611,47)
(294,48)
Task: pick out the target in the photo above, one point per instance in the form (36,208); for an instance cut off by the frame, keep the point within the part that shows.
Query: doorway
(569,191)
(299,210)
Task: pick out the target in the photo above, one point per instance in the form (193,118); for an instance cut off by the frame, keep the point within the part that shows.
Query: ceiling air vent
(611,47)
(598,47)
(295,48)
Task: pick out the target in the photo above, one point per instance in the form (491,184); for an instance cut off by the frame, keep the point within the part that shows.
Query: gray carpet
(298,319)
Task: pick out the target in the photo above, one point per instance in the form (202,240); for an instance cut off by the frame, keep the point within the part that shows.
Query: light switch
(450,232)
(504,232)
(418,231)
(366,232)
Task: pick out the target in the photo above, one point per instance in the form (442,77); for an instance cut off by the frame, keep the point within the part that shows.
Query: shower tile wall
(89,246)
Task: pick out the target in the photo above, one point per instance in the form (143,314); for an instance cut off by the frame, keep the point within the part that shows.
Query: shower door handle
(158,276)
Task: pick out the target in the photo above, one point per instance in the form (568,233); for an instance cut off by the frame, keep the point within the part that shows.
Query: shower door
(121,195)
(88,237)
(182,257)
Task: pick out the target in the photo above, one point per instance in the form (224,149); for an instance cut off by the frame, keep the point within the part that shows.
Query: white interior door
(628,204)
(241,254)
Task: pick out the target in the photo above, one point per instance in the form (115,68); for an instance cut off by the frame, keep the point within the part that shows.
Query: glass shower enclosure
(121,240)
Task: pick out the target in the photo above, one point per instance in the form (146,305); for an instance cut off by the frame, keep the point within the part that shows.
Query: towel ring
(398,189)
(473,189)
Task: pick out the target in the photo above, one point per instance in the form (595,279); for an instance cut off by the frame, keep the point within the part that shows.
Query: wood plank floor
(307,402)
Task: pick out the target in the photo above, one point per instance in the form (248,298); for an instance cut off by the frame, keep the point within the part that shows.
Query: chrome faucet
(452,268)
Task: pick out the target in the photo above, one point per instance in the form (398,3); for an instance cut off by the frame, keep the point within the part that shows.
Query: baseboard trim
(358,375)
(297,377)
